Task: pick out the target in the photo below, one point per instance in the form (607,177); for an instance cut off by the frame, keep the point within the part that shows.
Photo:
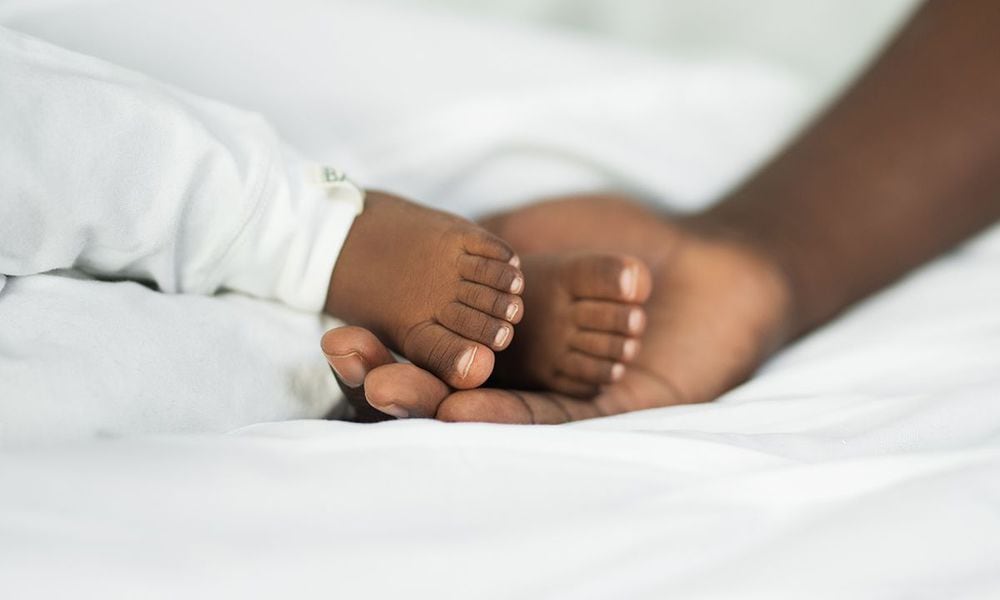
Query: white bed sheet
(864,462)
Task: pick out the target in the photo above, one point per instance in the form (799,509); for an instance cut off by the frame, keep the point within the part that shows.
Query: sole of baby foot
(440,290)
(582,325)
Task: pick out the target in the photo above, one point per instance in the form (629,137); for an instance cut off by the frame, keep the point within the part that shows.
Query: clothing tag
(329,175)
(338,187)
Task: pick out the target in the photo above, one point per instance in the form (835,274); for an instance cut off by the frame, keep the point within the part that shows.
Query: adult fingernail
(350,368)
(515,261)
(395,411)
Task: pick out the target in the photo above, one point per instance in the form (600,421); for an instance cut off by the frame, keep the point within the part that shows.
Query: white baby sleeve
(109,172)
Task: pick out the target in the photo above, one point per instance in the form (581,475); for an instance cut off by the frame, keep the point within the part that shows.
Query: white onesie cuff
(289,247)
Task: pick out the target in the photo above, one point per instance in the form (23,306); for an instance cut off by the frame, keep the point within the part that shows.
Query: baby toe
(500,276)
(460,362)
(605,345)
(476,325)
(590,369)
(609,317)
(614,277)
(482,243)
(501,305)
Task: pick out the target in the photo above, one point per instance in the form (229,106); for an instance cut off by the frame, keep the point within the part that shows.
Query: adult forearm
(903,167)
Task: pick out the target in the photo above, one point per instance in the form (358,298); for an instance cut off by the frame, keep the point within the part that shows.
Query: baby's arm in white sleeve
(110,172)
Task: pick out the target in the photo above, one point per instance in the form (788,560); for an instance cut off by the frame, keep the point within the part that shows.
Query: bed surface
(863,462)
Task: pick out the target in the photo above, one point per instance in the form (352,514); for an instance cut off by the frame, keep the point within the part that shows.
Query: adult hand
(717,310)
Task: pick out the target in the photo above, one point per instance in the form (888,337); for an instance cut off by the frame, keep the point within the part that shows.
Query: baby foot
(440,290)
(582,323)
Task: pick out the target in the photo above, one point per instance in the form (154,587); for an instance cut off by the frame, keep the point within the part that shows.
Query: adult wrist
(770,255)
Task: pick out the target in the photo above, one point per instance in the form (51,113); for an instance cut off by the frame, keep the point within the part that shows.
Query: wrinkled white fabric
(105,172)
(466,117)
(108,172)
(862,463)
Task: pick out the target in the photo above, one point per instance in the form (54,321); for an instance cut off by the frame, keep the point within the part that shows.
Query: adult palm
(718,308)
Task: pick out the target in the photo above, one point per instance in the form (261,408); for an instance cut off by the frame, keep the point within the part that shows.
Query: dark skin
(446,293)
(902,168)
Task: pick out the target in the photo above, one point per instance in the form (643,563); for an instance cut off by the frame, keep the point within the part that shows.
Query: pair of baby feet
(457,301)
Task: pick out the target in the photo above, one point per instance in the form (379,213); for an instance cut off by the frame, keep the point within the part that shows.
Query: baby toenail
(628,282)
(517,285)
(617,371)
(350,368)
(512,312)
(464,363)
(501,337)
(395,411)
(630,348)
(635,320)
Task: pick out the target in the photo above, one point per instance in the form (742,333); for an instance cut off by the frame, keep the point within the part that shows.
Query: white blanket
(864,462)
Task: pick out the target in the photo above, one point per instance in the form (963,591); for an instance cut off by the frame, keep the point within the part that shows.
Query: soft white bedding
(864,462)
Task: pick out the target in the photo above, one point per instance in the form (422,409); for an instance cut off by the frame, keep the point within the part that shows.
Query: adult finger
(515,407)
(353,353)
(405,390)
